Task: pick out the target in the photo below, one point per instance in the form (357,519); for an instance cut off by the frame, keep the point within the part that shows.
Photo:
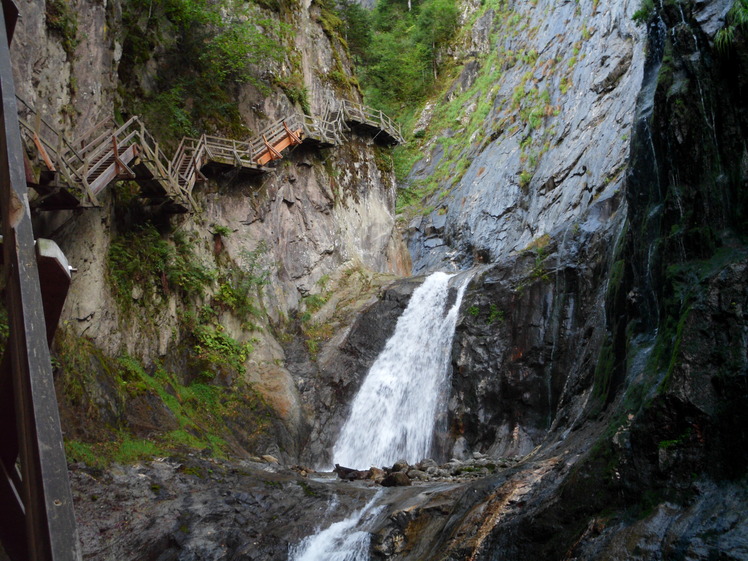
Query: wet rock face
(525,345)
(529,177)
(330,384)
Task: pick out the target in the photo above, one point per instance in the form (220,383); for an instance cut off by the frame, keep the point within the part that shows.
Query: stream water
(346,540)
(394,413)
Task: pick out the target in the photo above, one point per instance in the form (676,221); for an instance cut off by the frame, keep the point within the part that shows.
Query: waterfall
(341,541)
(393,415)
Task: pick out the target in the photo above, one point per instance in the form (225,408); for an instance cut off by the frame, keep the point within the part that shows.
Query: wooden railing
(375,118)
(53,148)
(102,153)
(327,129)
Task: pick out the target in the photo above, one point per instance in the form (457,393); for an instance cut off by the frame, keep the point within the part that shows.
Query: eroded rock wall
(546,104)
(319,216)
(644,455)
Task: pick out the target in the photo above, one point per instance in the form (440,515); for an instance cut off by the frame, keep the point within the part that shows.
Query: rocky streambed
(402,474)
(196,508)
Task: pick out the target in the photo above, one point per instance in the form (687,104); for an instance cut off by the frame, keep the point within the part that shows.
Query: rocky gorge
(587,160)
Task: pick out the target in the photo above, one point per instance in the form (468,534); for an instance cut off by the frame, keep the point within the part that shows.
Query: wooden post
(48,530)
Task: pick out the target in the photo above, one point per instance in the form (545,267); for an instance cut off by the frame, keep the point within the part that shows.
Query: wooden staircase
(74,173)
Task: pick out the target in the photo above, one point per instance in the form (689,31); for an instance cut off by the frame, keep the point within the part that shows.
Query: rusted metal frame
(47,500)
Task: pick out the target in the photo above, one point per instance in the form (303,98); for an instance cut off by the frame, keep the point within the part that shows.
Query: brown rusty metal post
(40,492)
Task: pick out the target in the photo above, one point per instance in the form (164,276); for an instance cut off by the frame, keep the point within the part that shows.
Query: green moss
(62,20)
(294,89)
(615,280)
(495,314)
(645,12)
(604,372)
(308,491)
(203,412)
(525,177)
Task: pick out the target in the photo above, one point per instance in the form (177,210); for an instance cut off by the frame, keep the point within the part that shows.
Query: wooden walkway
(363,118)
(74,173)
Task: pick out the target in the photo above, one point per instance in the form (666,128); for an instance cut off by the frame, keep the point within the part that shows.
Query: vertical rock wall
(546,104)
(317,214)
(615,352)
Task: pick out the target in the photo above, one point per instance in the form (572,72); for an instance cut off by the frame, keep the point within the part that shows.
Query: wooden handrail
(80,166)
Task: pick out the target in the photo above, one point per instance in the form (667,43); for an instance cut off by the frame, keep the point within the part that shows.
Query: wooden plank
(112,172)
(273,151)
(49,520)
(43,153)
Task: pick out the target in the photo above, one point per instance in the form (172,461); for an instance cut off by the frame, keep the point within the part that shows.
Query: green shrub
(144,258)
(63,22)
(645,12)
(218,44)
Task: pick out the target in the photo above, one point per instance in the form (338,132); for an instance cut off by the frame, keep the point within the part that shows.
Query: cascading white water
(392,416)
(342,541)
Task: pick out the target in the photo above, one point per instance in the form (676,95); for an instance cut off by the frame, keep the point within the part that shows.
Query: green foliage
(328,17)
(217,45)
(63,21)
(736,20)
(524,178)
(126,449)
(200,410)
(237,44)
(167,108)
(397,49)
(645,12)
(296,92)
(81,452)
(357,28)
(495,314)
(145,259)
(215,347)
(239,287)
(220,230)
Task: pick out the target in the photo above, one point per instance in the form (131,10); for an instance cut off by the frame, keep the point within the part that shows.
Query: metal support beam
(42,490)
